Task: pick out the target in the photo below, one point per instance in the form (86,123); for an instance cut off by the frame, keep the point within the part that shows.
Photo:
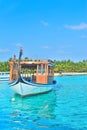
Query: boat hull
(26,89)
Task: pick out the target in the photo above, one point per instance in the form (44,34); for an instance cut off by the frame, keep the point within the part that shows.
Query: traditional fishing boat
(4,76)
(37,78)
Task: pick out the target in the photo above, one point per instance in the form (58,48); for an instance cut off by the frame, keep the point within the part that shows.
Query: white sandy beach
(70,73)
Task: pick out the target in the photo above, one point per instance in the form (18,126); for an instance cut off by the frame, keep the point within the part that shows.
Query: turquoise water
(65,108)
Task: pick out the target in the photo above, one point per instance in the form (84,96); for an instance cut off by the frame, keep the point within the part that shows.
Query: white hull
(25,89)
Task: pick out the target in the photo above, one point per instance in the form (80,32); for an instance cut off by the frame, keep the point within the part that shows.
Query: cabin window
(43,69)
(15,66)
(48,70)
(39,69)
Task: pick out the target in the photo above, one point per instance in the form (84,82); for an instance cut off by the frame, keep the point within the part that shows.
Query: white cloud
(84,36)
(9,7)
(46,47)
(66,46)
(4,50)
(63,52)
(77,27)
(19,45)
(44,23)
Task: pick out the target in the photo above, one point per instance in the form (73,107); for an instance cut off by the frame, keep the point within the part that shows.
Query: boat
(41,80)
(4,76)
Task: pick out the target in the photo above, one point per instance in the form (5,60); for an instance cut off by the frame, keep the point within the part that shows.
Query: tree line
(70,66)
(60,66)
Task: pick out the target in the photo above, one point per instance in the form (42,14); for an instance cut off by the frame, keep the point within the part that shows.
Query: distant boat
(31,84)
(4,76)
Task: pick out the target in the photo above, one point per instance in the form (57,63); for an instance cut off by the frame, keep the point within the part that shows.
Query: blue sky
(55,29)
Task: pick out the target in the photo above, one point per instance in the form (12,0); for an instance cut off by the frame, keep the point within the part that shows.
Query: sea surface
(65,108)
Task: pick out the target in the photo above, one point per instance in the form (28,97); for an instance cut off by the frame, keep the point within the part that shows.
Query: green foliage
(70,66)
(4,66)
(64,66)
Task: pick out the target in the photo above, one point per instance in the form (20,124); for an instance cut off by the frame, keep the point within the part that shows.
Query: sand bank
(70,73)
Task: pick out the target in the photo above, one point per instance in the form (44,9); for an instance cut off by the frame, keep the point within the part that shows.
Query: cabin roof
(34,63)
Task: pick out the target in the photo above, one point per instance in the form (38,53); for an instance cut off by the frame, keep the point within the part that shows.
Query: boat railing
(39,60)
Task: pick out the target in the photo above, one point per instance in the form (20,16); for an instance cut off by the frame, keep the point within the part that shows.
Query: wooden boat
(4,76)
(29,83)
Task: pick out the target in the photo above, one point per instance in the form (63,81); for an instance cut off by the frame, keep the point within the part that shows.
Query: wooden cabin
(35,71)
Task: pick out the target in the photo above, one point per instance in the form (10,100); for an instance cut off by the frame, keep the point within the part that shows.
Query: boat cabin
(41,71)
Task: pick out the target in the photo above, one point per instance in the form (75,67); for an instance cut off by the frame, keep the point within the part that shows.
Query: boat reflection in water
(40,105)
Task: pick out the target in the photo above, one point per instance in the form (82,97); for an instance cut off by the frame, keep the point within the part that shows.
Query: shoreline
(70,73)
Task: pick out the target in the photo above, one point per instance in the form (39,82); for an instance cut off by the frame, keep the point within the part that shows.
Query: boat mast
(20,54)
